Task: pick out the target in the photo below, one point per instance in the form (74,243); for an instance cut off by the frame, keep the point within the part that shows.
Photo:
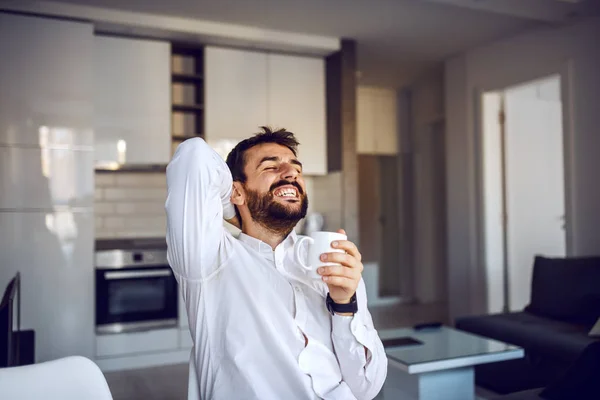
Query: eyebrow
(272,158)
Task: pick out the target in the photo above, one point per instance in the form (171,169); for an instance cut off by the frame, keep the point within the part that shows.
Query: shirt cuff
(341,326)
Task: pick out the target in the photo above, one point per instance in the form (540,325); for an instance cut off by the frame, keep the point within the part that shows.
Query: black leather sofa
(553,328)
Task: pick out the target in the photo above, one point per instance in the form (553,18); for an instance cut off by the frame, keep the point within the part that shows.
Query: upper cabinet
(235,95)
(245,90)
(132,99)
(296,92)
(377,125)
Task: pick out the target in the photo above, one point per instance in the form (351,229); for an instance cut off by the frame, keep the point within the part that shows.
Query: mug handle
(297,251)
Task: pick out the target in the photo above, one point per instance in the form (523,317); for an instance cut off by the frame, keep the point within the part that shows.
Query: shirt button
(297,289)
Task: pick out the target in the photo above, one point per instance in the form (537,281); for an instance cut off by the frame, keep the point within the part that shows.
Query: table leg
(451,384)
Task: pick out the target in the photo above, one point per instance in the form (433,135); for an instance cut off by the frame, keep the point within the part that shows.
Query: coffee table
(442,368)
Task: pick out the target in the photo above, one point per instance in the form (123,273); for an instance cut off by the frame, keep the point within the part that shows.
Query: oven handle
(136,274)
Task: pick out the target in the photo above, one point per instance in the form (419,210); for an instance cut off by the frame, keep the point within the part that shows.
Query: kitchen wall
(130,205)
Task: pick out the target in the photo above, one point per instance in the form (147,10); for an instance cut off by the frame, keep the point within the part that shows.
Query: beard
(272,215)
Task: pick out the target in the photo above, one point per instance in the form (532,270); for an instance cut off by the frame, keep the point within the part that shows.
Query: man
(261,328)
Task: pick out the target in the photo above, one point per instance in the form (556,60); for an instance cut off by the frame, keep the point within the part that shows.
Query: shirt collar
(263,247)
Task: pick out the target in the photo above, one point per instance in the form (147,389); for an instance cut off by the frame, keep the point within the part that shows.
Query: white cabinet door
(376,121)
(297,103)
(365,121)
(235,95)
(386,122)
(132,98)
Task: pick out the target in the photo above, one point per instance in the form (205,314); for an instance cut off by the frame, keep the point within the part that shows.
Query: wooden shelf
(186,78)
(189,108)
(181,138)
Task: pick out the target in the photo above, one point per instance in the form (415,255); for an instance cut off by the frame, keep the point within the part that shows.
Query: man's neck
(264,234)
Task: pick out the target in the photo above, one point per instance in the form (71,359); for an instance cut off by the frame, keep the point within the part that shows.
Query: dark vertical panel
(389,267)
(333,78)
(369,207)
(406,189)
(349,155)
(341,130)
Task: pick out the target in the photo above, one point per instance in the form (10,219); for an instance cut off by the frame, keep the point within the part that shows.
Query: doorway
(523,186)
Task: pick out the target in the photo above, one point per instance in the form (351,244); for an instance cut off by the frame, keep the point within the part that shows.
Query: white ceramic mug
(318,243)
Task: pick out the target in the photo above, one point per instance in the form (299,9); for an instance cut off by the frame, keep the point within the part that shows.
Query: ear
(238,195)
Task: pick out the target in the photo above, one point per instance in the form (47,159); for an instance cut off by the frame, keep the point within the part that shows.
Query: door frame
(565,71)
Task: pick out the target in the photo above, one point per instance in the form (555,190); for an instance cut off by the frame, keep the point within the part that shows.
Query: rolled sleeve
(351,335)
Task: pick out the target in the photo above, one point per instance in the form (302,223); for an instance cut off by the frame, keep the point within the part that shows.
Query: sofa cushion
(566,289)
(538,335)
(582,380)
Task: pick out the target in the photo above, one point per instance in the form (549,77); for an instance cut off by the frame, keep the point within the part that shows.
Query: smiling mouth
(286,193)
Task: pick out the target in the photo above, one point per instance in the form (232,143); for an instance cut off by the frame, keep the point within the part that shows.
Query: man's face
(275,189)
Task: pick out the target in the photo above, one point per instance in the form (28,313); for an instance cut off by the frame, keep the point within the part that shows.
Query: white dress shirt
(250,308)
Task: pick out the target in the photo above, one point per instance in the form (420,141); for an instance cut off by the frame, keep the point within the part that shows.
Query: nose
(288,171)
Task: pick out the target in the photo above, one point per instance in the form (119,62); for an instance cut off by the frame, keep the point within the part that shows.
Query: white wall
(569,50)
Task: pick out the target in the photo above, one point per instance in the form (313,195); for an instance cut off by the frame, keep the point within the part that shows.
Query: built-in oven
(135,290)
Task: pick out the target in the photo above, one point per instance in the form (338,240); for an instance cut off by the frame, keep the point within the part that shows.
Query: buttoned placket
(300,315)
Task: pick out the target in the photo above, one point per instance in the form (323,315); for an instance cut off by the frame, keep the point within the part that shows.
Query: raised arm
(198,197)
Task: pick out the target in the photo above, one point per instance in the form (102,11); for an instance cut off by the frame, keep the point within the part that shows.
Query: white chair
(69,378)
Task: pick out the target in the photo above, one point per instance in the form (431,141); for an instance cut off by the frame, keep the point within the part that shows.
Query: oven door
(132,299)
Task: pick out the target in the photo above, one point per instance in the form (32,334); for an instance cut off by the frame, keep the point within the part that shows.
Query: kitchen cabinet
(132,99)
(376,118)
(245,90)
(47,179)
(296,92)
(235,93)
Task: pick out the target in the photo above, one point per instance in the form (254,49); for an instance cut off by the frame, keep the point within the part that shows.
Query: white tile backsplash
(133,205)
(130,205)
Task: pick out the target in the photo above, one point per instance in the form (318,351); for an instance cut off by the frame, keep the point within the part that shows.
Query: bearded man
(261,328)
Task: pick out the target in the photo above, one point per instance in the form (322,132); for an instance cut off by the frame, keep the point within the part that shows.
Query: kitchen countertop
(158,243)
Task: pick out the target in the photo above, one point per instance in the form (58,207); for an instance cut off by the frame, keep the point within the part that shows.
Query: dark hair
(236,159)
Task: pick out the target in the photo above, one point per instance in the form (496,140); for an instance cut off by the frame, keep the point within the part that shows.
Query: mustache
(283,182)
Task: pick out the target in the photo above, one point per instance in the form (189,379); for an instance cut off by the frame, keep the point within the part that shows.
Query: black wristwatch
(334,307)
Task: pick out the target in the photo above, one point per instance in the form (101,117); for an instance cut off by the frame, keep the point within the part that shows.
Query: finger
(340,258)
(348,247)
(341,282)
(337,270)
(343,232)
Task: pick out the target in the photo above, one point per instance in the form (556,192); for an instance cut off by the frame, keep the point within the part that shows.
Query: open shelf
(187,89)
(187,107)
(181,138)
(186,78)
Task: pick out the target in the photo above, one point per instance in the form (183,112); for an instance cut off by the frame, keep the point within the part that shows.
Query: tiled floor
(170,382)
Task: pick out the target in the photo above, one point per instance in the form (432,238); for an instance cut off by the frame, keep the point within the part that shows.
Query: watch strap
(334,307)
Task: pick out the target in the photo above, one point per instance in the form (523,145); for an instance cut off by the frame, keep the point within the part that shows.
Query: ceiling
(397,39)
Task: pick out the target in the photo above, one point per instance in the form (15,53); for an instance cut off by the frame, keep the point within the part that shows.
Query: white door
(534,182)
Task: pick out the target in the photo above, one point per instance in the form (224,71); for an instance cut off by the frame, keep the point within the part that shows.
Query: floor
(170,382)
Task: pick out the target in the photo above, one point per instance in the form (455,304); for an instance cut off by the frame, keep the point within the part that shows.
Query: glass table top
(447,344)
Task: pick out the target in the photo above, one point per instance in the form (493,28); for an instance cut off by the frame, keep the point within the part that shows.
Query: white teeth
(286,193)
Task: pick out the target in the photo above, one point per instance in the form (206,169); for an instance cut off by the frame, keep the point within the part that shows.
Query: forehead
(255,154)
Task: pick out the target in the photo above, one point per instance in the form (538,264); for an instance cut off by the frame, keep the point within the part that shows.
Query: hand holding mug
(337,262)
